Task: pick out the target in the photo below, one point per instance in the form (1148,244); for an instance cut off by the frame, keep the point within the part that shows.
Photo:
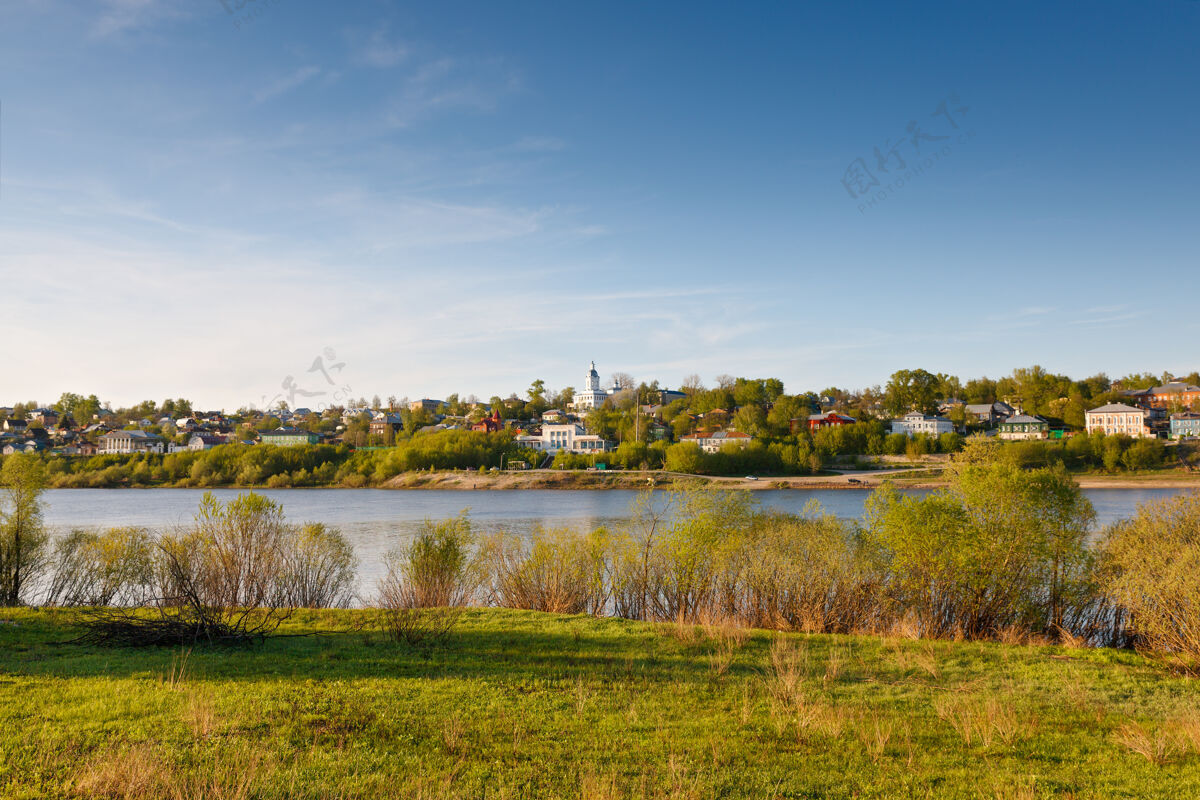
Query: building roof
(1116,408)
(718,435)
(287,432)
(142,435)
(828,414)
(1174,387)
(208,438)
(1025,419)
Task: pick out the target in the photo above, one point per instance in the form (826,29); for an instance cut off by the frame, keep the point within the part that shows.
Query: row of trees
(340,465)
(1036,389)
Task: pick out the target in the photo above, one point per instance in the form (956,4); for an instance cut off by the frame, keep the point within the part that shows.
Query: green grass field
(520,704)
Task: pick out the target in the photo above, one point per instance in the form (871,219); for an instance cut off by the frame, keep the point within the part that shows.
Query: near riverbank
(525,704)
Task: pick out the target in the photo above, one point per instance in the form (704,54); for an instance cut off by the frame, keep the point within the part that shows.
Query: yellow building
(1118,418)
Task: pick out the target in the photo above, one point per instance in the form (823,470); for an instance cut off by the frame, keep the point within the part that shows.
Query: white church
(592,395)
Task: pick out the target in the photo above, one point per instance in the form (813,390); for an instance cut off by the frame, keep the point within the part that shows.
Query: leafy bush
(560,571)
(429,581)
(115,567)
(1000,547)
(319,568)
(221,581)
(1152,562)
(804,573)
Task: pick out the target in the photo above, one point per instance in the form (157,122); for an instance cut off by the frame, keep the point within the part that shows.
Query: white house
(572,438)
(915,422)
(204,441)
(1118,418)
(592,396)
(713,442)
(130,442)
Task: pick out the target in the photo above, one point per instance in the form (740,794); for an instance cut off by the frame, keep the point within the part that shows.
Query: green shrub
(115,567)
(319,568)
(1152,562)
(561,571)
(1000,547)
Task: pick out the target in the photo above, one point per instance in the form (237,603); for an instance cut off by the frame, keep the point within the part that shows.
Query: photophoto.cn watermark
(332,393)
(924,145)
(246,11)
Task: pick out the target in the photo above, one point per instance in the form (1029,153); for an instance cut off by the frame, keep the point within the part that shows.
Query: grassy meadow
(517,704)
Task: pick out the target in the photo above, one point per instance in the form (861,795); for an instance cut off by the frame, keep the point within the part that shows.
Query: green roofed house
(1024,426)
(288,437)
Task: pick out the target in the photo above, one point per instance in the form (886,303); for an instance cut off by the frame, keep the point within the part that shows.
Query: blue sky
(466,197)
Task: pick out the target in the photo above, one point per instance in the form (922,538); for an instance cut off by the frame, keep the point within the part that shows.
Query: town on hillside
(1029,405)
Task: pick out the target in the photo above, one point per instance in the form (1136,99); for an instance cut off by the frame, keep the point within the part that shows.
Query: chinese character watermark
(924,144)
(333,393)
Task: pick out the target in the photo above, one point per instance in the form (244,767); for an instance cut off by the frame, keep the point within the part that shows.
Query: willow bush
(430,581)
(113,567)
(233,576)
(806,573)
(1000,548)
(23,538)
(560,571)
(1151,566)
(319,568)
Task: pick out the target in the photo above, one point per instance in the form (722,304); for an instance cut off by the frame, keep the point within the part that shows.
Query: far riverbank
(639,479)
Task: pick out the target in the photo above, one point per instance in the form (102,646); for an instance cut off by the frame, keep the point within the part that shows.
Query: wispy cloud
(287,83)
(1110,319)
(122,16)
(448,84)
(379,51)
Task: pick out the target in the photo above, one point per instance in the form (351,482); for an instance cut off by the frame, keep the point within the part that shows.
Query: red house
(489,424)
(828,420)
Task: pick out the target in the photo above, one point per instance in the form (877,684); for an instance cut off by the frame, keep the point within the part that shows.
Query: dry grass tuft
(178,673)
(135,772)
(453,732)
(788,667)
(983,721)
(875,736)
(1158,747)
(593,786)
(833,666)
(1069,640)
(142,772)
(1013,635)
(927,660)
(1186,730)
(680,630)
(199,714)
(907,627)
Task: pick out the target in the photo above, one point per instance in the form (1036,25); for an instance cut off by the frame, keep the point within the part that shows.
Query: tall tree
(691,384)
(22,534)
(912,390)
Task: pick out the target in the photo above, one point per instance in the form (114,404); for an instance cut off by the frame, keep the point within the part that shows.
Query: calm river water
(375,520)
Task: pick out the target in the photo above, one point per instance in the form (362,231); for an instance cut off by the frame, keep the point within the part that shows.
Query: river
(376,520)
